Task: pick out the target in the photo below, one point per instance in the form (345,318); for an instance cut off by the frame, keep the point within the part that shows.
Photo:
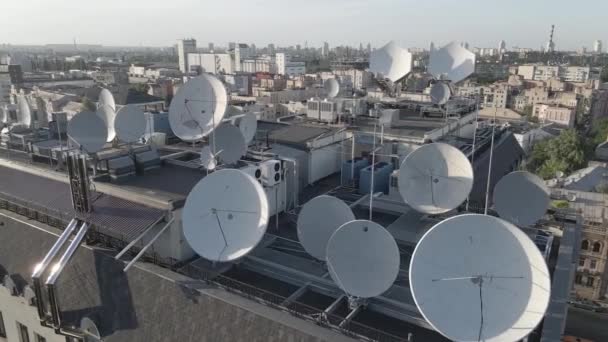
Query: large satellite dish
(208,160)
(452,62)
(107,114)
(391,61)
(90,330)
(106,99)
(198,107)
(479,278)
(225,215)
(363,258)
(440,93)
(230,144)
(24,111)
(435,178)
(318,220)
(248,124)
(88,131)
(130,124)
(521,197)
(332,87)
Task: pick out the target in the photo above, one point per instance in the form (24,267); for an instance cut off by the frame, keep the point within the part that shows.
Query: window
(24,335)
(590,281)
(593,264)
(578,279)
(581,262)
(39,338)
(585,245)
(597,247)
(2,328)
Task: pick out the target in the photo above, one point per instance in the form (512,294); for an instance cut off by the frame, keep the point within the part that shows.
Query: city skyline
(140,23)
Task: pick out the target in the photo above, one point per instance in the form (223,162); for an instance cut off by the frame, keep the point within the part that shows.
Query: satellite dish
(106,99)
(391,61)
(318,220)
(24,111)
(230,144)
(108,115)
(435,178)
(225,215)
(363,258)
(332,87)
(559,174)
(89,330)
(88,131)
(440,93)
(248,124)
(479,278)
(198,107)
(514,187)
(130,124)
(452,62)
(208,160)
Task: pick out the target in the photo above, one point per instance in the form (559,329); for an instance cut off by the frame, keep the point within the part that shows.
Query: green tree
(565,153)
(87,104)
(599,132)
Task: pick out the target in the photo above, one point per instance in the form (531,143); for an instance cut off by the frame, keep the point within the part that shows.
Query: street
(587,324)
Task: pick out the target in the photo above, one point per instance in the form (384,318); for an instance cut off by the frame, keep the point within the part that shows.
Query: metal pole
(371,191)
(490,165)
(143,250)
(352,164)
(474,141)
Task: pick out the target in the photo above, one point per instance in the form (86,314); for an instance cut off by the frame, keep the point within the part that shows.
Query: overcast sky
(482,23)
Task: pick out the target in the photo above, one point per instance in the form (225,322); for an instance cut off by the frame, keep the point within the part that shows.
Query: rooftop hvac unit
(254,171)
(271,172)
(382,173)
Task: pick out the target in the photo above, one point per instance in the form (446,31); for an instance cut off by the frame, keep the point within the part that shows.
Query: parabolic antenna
(88,131)
(391,61)
(521,197)
(106,99)
(435,178)
(452,62)
(440,93)
(318,220)
(332,87)
(90,330)
(130,124)
(248,124)
(230,144)
(198,107)
(363,258)
(225,215)
(24,111)
(479,278)
(107,114)
(208,160)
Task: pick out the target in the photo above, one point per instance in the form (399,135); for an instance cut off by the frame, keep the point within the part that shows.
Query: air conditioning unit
(254,171)
(272,171)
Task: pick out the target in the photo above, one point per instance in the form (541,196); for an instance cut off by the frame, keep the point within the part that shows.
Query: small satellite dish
(130,124)
(363,258)
(24,111)
(452,62)
(521,198)
(435,178)
(230,144)
(248,124)
(559,174)
(225,215)
(318,220)
(479,278)
(108,115)
(332,87)
(208,160)
(391,61)
(89,330)
(440,93)
(571,197)
(106,99)
(88,131)
(198,107)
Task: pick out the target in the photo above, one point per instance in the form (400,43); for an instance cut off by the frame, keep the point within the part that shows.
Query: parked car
(587,305)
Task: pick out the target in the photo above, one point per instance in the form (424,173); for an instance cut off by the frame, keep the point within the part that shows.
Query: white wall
(324,162)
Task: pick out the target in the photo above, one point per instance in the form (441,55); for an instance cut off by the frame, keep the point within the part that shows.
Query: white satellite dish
(230,144)
(440,93)
(363,258)
(318,220)
(198,107)
(106,99)
(479,278)
(248,124)
(452,62)
(88,131)
(332,87)
(130,124)
(435,178)
(90,330)
(391,61)
(208,160)
(107,114)
(24,112)
(225,215)
(521,198)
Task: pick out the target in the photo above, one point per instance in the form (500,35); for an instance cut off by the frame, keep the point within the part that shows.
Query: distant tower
(184,47)
(597,46)
(466,45)
(432,46)
(502,46)
(369,48)
(211,47)
(271,49)
(325,51)
(551,44)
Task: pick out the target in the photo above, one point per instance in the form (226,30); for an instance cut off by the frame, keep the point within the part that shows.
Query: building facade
(184,47)
(561,115)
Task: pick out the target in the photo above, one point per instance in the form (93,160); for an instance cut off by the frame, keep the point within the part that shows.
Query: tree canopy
(566,153)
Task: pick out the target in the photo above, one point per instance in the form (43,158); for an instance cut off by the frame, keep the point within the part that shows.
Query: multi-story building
(561,115)
(496,95)
(214,63)
(547,72)
(184,47)
(597,46)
